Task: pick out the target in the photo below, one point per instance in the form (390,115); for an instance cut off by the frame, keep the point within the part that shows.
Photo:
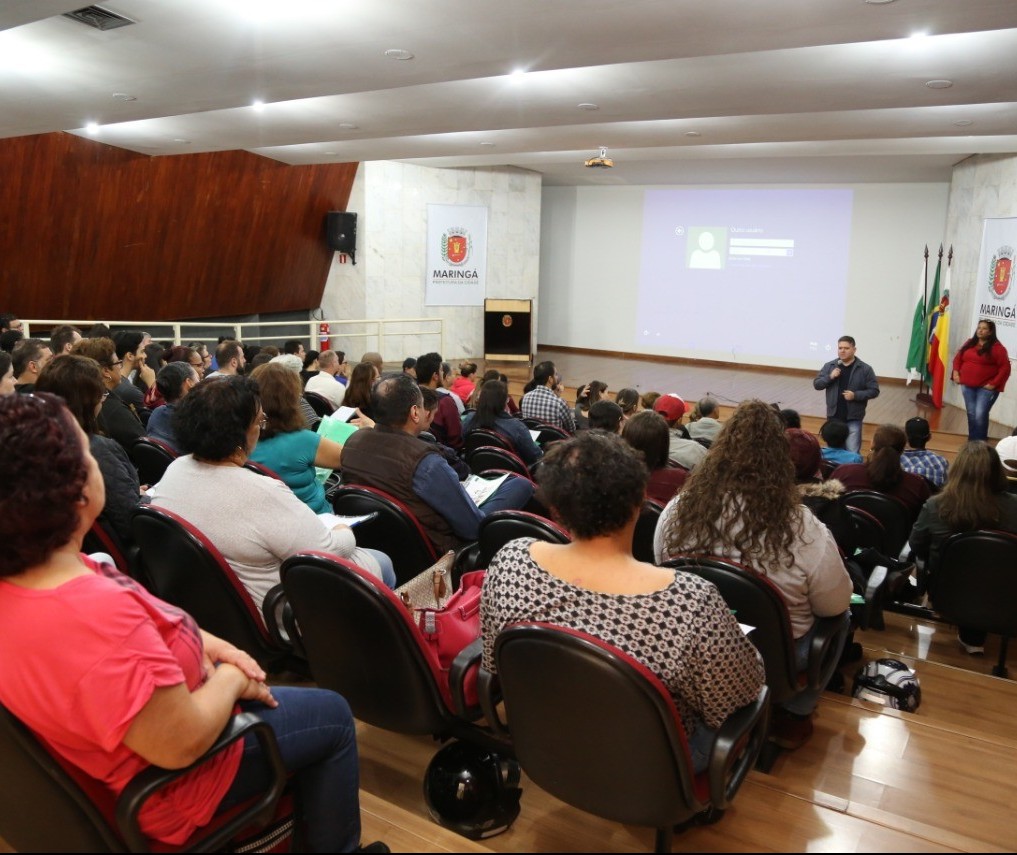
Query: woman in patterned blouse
(674,623)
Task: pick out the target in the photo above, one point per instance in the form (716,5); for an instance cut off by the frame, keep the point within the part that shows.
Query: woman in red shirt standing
(981,366)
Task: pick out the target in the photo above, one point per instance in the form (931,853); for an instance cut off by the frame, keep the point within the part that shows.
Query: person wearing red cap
(682,451)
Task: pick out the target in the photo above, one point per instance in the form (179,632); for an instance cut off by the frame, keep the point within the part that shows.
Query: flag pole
(923,398)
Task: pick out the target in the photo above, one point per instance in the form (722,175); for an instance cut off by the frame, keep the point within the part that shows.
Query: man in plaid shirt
(931,466)
(542,400)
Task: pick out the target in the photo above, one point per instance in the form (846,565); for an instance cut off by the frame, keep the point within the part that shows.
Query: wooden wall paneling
(92,231)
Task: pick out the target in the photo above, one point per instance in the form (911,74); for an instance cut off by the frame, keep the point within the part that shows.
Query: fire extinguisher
(323,336)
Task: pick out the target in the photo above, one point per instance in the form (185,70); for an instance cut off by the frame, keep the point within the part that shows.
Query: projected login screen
(744,273)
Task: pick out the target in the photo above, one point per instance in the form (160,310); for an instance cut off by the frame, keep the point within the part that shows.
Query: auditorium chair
(395,531)
(479,437)
(185,568)
(891,512)
(47,805)
(319,403)
(490,458)
(151,457)
(757,602)
(101,537)
(975,585)
(597,729)
(646,527)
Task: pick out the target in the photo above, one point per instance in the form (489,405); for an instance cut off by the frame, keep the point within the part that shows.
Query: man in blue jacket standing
(849,384)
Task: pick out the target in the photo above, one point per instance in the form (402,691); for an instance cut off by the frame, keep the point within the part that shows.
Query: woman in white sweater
(256,522)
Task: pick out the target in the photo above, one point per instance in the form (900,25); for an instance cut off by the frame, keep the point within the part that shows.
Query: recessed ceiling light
(257,106)
(331,153)
(939,84)
(182,141)
(92,128)
(920,34)
(123,96)
(963,123)
(878,2)
(486,143)
(348,126)
(398,53)
(588,105)
(693,134)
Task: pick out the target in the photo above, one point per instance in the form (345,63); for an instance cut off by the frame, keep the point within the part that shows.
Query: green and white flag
(916,351)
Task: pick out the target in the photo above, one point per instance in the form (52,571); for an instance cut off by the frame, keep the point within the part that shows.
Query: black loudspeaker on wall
(341,232)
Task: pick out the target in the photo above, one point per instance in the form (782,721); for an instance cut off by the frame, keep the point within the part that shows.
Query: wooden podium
(508,330)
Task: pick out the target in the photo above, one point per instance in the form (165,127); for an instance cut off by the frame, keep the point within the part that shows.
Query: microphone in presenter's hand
(840,364)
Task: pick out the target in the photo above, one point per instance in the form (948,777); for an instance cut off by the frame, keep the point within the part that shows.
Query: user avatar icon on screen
(705,256)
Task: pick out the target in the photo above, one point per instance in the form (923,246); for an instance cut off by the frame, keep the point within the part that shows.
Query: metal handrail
(380,329)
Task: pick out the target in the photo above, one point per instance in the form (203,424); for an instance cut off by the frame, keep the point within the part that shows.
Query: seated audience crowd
(754,487)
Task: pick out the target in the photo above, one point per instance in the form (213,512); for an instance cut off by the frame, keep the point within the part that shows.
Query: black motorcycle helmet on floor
(472,790)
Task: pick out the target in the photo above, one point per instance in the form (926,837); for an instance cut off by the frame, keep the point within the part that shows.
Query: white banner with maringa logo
(996,282)
(456,255)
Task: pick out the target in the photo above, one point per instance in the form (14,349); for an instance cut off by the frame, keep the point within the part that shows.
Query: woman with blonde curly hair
(741,503)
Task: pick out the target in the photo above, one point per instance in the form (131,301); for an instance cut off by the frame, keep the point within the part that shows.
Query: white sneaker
(973,649)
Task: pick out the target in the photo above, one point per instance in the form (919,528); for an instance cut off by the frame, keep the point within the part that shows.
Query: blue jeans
(388,575)
(805,702)
(854,440)
(513,494)
(978,401)
(318,741)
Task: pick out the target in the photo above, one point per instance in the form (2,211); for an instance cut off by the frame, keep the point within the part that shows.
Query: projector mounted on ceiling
(602,161)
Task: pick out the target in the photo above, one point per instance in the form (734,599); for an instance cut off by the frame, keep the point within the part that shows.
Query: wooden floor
(870,779)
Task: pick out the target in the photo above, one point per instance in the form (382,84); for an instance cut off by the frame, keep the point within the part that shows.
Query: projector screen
(759,275)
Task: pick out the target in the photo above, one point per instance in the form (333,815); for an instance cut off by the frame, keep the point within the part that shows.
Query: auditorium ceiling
(679,91)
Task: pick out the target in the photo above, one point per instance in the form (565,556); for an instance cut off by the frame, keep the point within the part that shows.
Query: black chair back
(489,458)
(395,531)
(47,805)
(891,512)
(625,757)
(102,538)
(757,603)
(646,527)
(361,641)
(184,568)
(479,437)
(499,528)
(975,584)
(869,531)
(319,403)
(151,457)
(42,809)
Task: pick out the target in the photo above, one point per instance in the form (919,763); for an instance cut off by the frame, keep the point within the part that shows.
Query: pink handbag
(454,626)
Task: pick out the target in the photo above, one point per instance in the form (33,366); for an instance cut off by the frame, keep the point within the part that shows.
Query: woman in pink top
(982,367)
(129,681)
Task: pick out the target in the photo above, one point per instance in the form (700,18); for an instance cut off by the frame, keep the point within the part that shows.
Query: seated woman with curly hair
(882,471)
(256,522)
(112,680)
(742,503)
(595,485)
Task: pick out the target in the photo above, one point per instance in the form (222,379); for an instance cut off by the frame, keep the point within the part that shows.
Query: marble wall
(388,280)
(982,186)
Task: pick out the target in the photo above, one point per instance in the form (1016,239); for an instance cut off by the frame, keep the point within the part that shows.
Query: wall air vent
(101,19)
